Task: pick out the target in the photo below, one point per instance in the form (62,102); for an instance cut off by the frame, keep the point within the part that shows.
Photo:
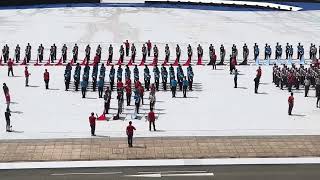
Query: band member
(64,53)
(75,53)
(40,53)
(17,53)
(110,51)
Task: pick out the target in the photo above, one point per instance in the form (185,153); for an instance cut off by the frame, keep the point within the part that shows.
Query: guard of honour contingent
(284,77)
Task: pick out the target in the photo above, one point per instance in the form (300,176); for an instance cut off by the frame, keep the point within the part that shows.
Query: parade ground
(215,120)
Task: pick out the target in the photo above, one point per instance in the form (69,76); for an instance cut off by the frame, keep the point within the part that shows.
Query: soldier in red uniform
(10,67)
(46,78)
(291,103)
(151,119)
(129,132)
(92,122)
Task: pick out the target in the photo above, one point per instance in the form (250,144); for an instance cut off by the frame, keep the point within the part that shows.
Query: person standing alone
(129,131)
(291,103)
(92,121)
(152,119)
(10,67)
(46,78)
(26,75)
(235,79)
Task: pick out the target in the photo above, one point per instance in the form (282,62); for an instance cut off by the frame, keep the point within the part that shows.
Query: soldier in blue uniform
(110,51)
(119,73)
(111,77)
(136,73)
(180,76)
(94,76)
(146,77)
(300,51)
(76,76)
(127,72)
(100,86)
(156,72)
(173,85)
(190,77)
(164,75)
(255,51)
(84,85)
(287,50)
(171,72)
(102,71)
(67,76)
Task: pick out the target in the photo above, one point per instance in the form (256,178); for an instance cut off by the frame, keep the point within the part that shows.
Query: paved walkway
(159,148)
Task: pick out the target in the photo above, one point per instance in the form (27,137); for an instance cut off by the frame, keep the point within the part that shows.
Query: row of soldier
(147,48)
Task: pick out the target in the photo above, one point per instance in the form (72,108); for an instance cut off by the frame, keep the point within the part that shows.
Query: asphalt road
(236,172)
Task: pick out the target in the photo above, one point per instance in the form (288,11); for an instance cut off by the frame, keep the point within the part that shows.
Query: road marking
(145,175)
(159,162)
(89,173)
(192,174)
(171,172)
(158,175)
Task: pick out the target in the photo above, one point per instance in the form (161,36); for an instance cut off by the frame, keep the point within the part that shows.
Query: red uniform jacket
(10,64)
(130,129)
(127,44)
(137,84)
(46,76)
(26,73)
(259,72)
(149,45)
(92,120)
(128,82)
(141,90)
(291,100)
(151,116)
(128,89)
(119,84)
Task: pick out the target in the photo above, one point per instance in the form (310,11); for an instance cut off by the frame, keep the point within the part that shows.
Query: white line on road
(145,175)
(158,175)
(89,173)
(190,174)
(159,162)
(171,172)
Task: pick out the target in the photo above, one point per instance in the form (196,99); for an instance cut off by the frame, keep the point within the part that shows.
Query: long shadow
(90,98)
(33,86)
(298,115)
(17,112)
(160,131)
(188,97)
(54,89)
(242,87)
(14,103)
(102,136)
(264,83)
(262,93)
(14,131)
(16,76)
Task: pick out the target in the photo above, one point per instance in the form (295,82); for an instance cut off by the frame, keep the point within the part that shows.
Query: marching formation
(130,48)
(295,77)
(127,86)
